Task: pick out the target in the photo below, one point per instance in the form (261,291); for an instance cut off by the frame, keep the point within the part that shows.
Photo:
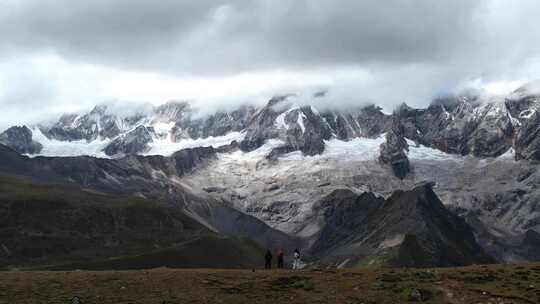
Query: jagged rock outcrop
(173,120)
(133,142)
(493,134)
(460,125)
(305,131)
(177,111)
(522,103)
(98,123)
(262,126)
(524,107)
(20,140)
(300,128)
(466,124)
(476,125)
(342,212)
(368,121)
(187,160)
(393,152)
(221,123)
(189,124)
(411,228)
(527,142)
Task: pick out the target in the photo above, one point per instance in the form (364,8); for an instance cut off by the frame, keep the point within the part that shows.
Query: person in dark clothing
(268,259)
(280,255)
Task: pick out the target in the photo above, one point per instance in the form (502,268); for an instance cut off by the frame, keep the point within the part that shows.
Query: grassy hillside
(55,224)
(473,284)
(209,251)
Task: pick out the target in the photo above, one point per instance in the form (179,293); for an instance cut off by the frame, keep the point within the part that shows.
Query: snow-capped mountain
(293,168)
(20,140)
(466,124)
(104,133)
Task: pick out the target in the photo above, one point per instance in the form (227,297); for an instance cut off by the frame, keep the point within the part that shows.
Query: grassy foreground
(474,284)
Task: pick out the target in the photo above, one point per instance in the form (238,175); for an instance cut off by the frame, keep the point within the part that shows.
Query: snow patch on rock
(166,146)
(52,147)
(300,121)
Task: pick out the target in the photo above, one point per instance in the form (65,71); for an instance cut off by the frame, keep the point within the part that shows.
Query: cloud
(220,37)
(63,54)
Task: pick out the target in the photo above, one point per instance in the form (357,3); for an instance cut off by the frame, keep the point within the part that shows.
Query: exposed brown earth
(473,284)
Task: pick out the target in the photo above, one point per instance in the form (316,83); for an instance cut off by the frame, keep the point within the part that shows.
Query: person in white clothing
(296,262)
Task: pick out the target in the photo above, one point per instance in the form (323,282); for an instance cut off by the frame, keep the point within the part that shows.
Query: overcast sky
(66,55)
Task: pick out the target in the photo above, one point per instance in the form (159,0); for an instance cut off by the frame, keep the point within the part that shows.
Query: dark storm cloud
(61,55)
(215,37)
(126,32)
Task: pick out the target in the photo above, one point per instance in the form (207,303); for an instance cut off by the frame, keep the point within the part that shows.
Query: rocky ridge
(20,139)
(394,151)
(466,124)
(411,228)
(298,174)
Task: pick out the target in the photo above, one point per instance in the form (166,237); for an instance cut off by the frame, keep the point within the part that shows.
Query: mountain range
(455,183)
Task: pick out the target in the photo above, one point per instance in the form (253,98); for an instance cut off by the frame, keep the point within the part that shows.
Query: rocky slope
(155,178)
(162,180)
(289,174)
(20,139)
(305,129)
(410,228)
(129,134)
(394,151)
(467,124)
(527,141)
(498,197)
(132,142)
(77,228)
(44,223)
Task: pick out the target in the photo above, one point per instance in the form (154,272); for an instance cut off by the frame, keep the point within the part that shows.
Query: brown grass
(474,284)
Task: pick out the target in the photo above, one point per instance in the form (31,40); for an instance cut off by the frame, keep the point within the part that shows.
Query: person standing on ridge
(268,259)
(296,262)
(280,255)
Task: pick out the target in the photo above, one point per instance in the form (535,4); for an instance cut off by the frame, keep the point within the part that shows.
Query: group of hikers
(280,259)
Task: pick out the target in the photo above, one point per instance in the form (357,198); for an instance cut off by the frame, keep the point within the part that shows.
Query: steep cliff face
(461,125)
(220,123)
(394,151)
(305,129)
(20,140)
(468,124)
(138,131)
(342,212)
(98,123)
(368,121)
(263,125)
(133,142)
(527,142)
(410,228)
(300,128)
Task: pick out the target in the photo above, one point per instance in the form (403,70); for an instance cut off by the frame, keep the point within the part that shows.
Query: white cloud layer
(60,55)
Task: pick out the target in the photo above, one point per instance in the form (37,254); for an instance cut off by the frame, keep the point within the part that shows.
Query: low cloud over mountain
(64,55)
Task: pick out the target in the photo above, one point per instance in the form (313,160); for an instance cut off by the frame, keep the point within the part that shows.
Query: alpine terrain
(452,184)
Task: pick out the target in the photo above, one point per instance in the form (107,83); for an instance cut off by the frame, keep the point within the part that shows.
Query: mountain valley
(453,184)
